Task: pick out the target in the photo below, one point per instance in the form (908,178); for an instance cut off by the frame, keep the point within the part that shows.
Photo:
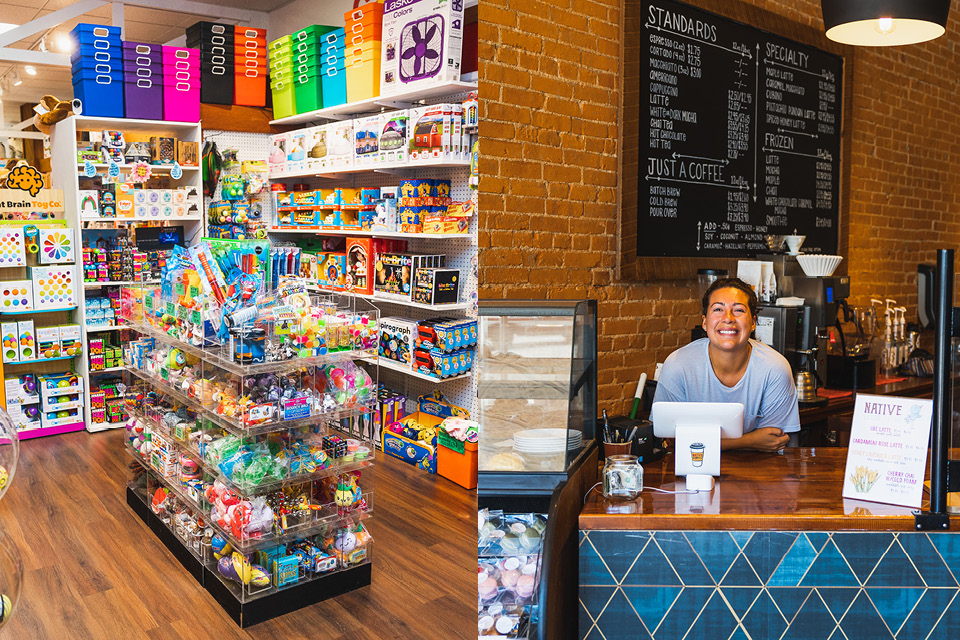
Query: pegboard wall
(460,250)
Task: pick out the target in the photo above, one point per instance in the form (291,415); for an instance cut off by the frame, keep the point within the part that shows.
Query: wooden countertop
(798,490)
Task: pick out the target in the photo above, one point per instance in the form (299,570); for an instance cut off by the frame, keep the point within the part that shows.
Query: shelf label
(113,170)
(171,309)
(179,289)
(88,169)
(195,317)
(296,408)
(148,302)
(183,313)
(176,172)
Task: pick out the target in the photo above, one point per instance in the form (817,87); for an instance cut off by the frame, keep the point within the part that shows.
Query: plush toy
(50,111)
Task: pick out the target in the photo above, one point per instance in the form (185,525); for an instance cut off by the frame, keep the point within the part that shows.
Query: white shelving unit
(65,175)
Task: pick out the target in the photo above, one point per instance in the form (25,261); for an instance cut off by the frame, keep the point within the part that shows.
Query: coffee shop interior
(856,197)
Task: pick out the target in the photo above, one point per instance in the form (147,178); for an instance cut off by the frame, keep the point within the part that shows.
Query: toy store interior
(238,308)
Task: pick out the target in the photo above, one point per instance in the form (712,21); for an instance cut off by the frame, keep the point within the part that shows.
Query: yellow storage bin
(363,71)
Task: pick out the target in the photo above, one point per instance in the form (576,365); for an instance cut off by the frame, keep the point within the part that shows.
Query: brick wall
(555,166)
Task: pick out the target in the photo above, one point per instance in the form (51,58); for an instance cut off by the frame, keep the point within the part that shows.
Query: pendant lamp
(884,23)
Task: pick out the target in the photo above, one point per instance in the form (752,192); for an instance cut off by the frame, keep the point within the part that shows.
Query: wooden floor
(94,570)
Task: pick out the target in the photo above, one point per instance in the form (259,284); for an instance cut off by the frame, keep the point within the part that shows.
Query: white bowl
(816,265)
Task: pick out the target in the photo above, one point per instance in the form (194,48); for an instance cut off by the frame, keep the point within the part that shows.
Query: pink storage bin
(178,56)
(181,99)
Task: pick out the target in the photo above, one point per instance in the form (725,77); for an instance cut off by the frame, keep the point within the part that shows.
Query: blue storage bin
(92,66)
(333,79)
(88,31)
(101,94)
(336,38)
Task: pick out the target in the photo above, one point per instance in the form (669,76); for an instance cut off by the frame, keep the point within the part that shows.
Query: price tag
(148,302)
(194,292)
(195,317)
(183,313)
(171,309)
(164,373)
(178,432)
(179,289)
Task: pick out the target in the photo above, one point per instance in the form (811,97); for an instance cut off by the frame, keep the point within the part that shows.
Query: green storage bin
(281,43)
(284,98)
(313,32)
(311,68)
(284,64)
(309,92)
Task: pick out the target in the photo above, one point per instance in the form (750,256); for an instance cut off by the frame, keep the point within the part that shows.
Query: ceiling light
(43,44)
(16,80)
(63,42)
(30,69)
(884,23)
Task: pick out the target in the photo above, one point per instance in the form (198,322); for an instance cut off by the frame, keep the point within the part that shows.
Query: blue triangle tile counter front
(790,585)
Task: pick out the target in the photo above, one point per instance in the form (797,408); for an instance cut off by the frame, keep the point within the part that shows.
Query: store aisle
(94,570)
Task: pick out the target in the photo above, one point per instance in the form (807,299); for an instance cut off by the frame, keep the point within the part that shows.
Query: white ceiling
(141,24)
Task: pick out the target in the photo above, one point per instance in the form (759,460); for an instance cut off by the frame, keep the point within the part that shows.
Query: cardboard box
(16,295)
(331,271)
(54,286)
(404,68)
(360,265)
(71,343)
(394,276)
(21,389)
(57,246)
(366,133)
(340,146)
(437,286)
(11,341)
(397,339)
(188,153)
(88,203)
(48,342)
(394,138)
(28,340)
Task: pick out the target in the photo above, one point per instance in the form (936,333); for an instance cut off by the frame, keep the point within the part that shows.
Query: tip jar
(622,477)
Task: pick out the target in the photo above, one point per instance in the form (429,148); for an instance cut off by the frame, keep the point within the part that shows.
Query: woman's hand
(769,439)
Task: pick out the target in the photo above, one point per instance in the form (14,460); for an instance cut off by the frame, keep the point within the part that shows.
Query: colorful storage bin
(250,66)
(97,69)
(181,84)
(216,44)
(143,80)
(363,71)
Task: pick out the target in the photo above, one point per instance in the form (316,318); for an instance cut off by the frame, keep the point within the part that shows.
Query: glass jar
(622,477)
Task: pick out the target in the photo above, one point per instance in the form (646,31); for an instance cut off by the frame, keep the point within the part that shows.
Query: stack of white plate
(546,440)
(816,265)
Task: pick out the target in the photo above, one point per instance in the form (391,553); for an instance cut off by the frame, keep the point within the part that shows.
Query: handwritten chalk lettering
(787,55)
(678,23)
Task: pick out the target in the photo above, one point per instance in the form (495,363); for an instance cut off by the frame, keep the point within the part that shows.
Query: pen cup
(616,448)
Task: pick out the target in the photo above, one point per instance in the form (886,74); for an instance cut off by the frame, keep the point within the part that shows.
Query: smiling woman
(728,366)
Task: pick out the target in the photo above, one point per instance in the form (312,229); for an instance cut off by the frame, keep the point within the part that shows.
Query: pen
(632,434)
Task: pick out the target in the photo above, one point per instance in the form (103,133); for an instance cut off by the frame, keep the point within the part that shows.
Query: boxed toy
(48,342)
(11,341)
(58,384)
(296,153)
(124,194)
(60,418)
(436,286)
(422,41)
(21,389)
(277,160)
(393,136)
(397,339)
(414,438)
(393,276)
(366,132)
(331,271)
(70,341)
(315,142)
(54,287)
(24,417)
(57,246)
(28,340)
(16,295)
(89,203)
(436,133)
(340,146)
(62,402)
(360,254)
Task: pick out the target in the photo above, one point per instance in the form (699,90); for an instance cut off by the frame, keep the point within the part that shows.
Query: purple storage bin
(142,53)
(143,95)
(181,99)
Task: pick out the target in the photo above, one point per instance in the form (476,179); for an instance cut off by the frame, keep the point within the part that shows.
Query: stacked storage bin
(364,26)
(333,68)
(181,84)
(281,77)
(143,80)
(250,67)
(97,68)
(216,44)
(307,51)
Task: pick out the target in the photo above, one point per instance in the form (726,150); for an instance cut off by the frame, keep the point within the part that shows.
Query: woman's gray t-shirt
(766,390)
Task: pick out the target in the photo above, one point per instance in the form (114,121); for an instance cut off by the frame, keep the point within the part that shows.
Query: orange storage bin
(458,467)
(369,13)
(250,91)
(363,71)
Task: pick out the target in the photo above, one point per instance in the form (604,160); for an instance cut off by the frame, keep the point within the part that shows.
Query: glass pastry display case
(537,393)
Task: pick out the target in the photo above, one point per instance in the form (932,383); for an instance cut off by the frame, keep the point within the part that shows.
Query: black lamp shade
(884,22)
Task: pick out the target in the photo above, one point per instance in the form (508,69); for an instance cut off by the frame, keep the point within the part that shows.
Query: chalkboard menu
(744,137)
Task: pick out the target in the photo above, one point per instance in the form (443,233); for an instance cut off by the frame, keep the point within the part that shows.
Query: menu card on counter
(743,137)
(887,455)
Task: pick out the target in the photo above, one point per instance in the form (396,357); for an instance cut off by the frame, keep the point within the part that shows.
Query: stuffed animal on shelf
(50,111)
